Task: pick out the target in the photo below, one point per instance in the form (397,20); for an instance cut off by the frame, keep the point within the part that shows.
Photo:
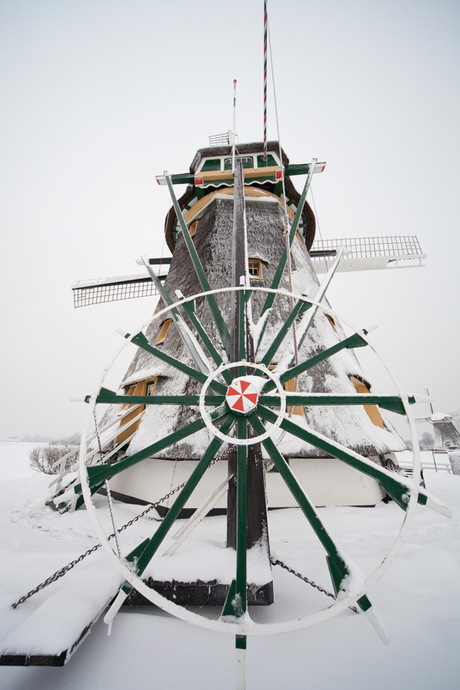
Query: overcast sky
(98,96)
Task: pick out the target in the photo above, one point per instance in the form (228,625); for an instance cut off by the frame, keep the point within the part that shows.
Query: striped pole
(265,80)
(234,125)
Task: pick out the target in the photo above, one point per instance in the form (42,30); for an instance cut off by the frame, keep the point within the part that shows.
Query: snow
(418,600)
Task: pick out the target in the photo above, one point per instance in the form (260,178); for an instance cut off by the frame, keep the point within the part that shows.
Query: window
(255,269)
(163,332)
(373,411)
(270,161)
(332,322)
(213,164)
(145,387)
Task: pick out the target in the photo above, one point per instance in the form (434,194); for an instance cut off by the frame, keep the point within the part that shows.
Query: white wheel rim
(254,439)
(246,626)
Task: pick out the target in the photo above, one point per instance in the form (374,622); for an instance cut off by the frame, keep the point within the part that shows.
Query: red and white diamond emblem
(242,396)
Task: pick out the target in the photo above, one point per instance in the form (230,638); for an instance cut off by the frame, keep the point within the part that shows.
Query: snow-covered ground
(419,599)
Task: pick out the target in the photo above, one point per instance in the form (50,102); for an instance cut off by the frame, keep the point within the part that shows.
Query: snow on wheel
(263,421)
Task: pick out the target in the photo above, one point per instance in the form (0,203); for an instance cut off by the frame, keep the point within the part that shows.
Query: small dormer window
(210,165)
(373,411)
(163,332)
(255,269)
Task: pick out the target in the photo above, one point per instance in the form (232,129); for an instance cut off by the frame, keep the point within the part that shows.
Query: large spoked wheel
(241,403)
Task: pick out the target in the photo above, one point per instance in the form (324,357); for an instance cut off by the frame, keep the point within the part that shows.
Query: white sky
(98,96)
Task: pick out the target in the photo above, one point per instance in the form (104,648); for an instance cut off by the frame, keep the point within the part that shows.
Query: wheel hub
(242,396)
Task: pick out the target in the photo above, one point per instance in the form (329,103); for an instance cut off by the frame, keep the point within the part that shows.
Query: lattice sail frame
(360,254)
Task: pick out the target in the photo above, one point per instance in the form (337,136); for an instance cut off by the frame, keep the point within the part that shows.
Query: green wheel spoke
(141,341)
(241,522)
(337,565)
(110,397)
(299,308)
(393,403)
(141,560)
(216,313)
(353,341)
(99,473)
(282,263)
(395,485)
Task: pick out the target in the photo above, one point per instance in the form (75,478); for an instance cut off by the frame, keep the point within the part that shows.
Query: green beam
(109,397)
(241,520)
(282,263)
(393,484)
(392,403)
(340,567)
(219,321)
(99,473)
(141,341)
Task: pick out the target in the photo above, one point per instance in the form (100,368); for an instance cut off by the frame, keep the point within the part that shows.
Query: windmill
(244,384)
(205,213)
(244,387)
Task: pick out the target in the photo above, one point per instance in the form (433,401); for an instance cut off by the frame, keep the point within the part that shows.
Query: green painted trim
(364,603)
(229,608)
(297,169)
(355,340)
(300,307)
(218,319)
(240,641)
(241,521)
(183,178)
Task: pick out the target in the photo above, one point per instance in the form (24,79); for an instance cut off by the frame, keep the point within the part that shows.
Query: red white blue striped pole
(234,125)
(265,80)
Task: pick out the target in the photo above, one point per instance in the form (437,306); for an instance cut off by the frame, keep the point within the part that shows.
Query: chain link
(276,561)
(62,571)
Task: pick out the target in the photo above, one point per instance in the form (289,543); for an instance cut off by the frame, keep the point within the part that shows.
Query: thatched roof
(350,426)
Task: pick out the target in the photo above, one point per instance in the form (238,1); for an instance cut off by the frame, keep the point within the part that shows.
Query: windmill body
(207,208)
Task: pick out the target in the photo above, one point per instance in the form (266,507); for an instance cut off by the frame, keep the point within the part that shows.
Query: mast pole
(234,126)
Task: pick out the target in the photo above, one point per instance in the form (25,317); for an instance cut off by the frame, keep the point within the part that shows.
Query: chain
(275,561)
(62,571)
